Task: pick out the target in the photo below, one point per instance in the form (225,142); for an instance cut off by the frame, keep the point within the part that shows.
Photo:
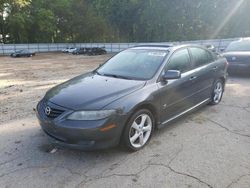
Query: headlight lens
(91,115)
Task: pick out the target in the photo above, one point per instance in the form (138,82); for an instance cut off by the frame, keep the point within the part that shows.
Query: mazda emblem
(47,110)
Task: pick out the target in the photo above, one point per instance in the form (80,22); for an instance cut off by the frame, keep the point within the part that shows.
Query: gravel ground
(209,148)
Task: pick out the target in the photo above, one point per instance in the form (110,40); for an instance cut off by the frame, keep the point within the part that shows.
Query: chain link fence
(6,49)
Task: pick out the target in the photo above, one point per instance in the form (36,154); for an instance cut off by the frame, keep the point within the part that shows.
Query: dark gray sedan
(22,53)
(136,91)
(238,56)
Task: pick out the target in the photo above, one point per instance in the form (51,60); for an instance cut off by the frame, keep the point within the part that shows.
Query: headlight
(91,115)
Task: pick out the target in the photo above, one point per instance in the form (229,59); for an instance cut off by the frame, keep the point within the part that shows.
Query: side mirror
(171,75)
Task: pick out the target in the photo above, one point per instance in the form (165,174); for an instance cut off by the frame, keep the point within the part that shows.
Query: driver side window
(180,61)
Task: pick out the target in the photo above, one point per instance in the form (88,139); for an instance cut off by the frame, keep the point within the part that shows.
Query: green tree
(122,20)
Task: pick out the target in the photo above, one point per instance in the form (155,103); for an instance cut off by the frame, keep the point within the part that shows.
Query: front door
(176,95)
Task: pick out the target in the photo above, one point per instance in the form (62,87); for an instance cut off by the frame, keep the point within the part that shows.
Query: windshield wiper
(117,76)
(95,71)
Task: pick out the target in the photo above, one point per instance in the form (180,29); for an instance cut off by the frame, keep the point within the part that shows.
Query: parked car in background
(90,51)
(69,50)
(22,53)
(134,92)
(238,56)
(81,51)
(97,51)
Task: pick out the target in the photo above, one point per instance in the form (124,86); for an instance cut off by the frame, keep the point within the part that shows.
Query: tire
(138,130)
(217,92)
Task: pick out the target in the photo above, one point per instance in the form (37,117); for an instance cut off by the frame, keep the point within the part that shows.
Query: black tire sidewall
(125,137)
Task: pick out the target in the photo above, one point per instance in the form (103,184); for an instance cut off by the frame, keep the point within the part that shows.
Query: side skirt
(183,113)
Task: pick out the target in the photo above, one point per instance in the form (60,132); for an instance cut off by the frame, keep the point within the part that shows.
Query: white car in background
(69,50)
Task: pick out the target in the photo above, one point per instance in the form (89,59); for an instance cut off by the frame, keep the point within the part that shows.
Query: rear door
(204,71)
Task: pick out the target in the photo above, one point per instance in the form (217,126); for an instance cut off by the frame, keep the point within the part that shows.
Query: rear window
(239,46)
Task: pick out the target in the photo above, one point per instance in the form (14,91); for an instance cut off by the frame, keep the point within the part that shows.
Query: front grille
(54,110)
(54,113)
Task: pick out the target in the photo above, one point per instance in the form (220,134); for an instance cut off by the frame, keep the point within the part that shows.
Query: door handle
(192,78)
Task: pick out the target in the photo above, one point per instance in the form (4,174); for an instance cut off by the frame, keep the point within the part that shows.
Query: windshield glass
(239,46)
(134,64)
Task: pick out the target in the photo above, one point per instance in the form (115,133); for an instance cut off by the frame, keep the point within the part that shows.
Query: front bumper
(82,135)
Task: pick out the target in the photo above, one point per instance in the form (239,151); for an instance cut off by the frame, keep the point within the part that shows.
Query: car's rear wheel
(139,130)
(217,92)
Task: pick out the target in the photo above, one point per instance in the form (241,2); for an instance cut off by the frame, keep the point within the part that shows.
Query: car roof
(244,40)
(168,47)
(153,46)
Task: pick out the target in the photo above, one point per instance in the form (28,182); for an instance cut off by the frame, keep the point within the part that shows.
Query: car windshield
(239,46)
(134,64)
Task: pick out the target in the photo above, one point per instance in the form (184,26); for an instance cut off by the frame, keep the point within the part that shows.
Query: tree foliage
(23,21)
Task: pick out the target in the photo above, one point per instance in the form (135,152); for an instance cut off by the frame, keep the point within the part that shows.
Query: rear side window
(200,56)
(239,46)
(180,60)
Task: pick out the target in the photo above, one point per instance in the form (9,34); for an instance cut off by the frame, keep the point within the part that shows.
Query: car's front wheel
(217,92)
(138,130)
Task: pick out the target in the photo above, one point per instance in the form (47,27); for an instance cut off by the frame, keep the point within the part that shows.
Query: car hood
(91,91)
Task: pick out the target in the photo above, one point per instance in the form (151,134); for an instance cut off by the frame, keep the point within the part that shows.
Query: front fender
(145,97)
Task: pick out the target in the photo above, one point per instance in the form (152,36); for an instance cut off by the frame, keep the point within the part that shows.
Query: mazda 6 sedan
(136,91)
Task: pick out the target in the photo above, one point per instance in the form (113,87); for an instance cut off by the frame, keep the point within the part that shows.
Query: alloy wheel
(218,91)
(140,130)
